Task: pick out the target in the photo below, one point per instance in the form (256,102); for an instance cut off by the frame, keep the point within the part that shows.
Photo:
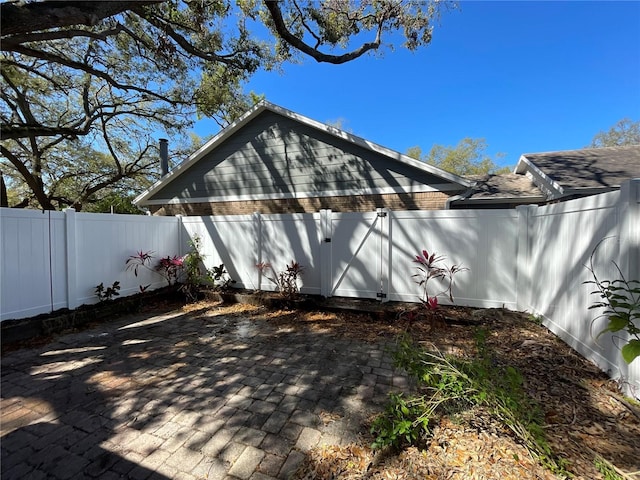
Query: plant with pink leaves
(286,281)
(168,267)
(430,270)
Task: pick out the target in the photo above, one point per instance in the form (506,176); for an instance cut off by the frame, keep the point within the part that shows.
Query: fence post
(71,256)
(523,284)
(257,235)
(384,215)
(629,232)
(325,252)
(180,229)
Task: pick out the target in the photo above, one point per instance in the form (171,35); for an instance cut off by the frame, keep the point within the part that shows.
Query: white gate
(358,260)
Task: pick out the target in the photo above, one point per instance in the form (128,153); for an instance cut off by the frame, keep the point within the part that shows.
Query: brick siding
(350,203)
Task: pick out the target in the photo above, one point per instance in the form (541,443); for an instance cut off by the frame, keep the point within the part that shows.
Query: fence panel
(25,271)
(561,241)
(105,242)
(356,252)
(232,240)
(295,237)
(484,241)
(54,260)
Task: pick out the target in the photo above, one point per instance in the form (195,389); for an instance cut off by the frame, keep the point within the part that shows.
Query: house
(554,176)
(272,160)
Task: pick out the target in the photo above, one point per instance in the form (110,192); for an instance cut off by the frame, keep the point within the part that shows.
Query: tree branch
(291,39)
(9,42)
(24,18)
(50,57)
(32,181)
(187,46)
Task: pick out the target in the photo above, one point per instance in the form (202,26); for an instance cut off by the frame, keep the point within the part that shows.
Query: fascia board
(486,201)
(539,178)
(588,190)
(288,195)
(336,132)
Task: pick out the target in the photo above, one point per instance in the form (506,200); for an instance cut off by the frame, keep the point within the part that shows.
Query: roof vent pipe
(164,156)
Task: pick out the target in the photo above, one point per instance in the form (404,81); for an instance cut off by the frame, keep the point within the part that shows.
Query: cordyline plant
(286,281)
(621,300)
(429,269)
(167,267)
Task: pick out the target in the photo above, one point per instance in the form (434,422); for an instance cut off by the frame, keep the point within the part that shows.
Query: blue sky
(525,76)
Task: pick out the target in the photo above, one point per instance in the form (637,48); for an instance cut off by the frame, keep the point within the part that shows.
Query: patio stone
(159,397)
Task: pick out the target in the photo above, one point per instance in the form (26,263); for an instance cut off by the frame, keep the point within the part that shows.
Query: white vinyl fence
(52,260)
(551,269)
(531,258)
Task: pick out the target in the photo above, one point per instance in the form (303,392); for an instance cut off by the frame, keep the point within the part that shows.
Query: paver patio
(185,396)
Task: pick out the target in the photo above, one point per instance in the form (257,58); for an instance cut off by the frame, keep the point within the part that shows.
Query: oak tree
(86,85)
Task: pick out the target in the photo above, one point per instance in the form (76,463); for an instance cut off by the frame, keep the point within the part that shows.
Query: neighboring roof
(585,171)
(507,188)
(327,129)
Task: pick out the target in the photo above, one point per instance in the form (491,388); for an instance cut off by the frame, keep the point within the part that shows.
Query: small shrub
(107,293)
(195,273)
(429,270)
(448,385)
(197,276)
(403,423)
(219,277)
(169,268)
(621,300)
(536,319)
(285,281)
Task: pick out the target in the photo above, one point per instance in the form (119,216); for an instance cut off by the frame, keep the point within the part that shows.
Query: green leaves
(621,304)
(468,157)
(107,293)
(403,422)
(449,384)
(631,351)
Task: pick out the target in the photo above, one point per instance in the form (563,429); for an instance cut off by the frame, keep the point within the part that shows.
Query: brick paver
(181,396)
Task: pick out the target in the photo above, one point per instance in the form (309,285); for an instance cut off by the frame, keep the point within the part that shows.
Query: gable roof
(263,106)
(585,171)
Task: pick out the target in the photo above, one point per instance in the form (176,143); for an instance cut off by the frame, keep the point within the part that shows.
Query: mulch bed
(586,416)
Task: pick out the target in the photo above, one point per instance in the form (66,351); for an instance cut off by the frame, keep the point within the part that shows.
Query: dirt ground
(588,422)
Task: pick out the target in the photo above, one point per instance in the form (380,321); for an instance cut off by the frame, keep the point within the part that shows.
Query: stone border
(24,329)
